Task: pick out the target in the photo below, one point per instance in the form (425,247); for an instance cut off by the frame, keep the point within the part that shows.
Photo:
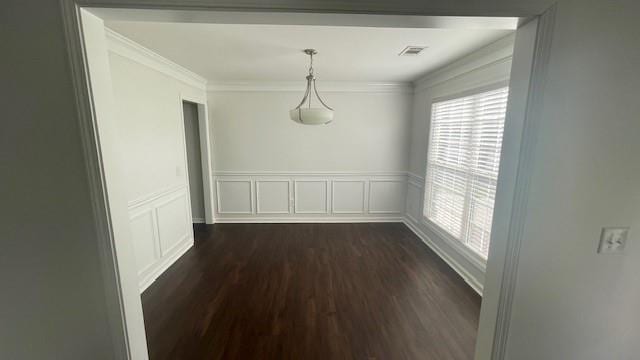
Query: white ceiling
(232,52)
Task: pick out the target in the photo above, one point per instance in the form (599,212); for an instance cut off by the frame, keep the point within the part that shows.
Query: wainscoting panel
(161,231)
(234,196)
(415,194)
(387,196)
(348,196)
(310,196)
(273,196)
(173,225)
(143,233)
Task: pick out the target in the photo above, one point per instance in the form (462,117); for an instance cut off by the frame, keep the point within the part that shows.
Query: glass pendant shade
(313,116)
(305,113)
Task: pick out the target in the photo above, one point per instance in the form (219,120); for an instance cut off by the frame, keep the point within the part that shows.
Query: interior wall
(369,132)
(129,305)
(270,168)
(53,302)
(487,66)
(151,138)
(571,303)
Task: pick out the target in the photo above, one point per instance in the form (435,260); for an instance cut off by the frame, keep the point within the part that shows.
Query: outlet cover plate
(613,240)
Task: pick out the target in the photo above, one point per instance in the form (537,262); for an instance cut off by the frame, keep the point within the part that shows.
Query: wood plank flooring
(310,291)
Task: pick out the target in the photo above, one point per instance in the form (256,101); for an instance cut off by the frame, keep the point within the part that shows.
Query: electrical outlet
(613,240)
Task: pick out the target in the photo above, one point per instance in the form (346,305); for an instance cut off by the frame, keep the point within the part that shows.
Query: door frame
(504,254)
(206,155)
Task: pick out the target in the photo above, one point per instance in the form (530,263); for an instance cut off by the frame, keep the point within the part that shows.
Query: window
(462,165)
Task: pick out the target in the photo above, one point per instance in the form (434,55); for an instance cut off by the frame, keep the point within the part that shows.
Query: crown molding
(493,54)
(123,46)
(299,86)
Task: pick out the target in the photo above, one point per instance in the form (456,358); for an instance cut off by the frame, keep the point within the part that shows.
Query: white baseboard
(473,282)
(198,220)
(165,263)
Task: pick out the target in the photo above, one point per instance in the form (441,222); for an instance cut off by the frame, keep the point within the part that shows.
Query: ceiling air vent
(412,50)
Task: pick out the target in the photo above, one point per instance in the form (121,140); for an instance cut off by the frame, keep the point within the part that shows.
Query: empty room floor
(310,291)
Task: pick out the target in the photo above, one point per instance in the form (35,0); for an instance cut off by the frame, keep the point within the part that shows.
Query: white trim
(119,323)
(364,196)
(326,193)
(493,54)
(298,86)
(308,173)
(524,173)
(386,211)
(461,249)
(174,254)
(326,177)
(297,220)
(251,196)
(473,282)
(206,154)
(170,199)
(143,200)
(153,216)
(130,49)
(415,180)
(198,221)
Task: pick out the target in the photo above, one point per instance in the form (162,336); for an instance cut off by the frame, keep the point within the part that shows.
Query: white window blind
(462,165)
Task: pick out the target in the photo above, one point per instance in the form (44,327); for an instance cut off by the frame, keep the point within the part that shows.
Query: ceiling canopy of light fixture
(308,114)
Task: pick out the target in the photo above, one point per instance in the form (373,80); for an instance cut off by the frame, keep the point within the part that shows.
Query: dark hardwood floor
(310,291)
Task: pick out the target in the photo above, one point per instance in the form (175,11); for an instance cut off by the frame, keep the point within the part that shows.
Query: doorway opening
(197,164)
(97,109)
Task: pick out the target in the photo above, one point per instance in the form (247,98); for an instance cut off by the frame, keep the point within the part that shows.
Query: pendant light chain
(311,64)
(310,78)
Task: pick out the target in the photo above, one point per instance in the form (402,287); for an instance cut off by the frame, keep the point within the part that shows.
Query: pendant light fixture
(308,114)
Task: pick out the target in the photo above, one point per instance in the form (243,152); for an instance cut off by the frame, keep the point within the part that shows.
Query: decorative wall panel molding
(310,196)
(387,196)
(273,196)
(161,231)
(348,196)
(234,196)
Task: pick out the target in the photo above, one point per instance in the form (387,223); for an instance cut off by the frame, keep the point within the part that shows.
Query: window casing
(462,165)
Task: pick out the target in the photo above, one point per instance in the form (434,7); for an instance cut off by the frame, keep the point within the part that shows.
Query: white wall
(114,179)
(53,302)
(253,132)
(269,168)
(486,66)
(571,303)
(148,92)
